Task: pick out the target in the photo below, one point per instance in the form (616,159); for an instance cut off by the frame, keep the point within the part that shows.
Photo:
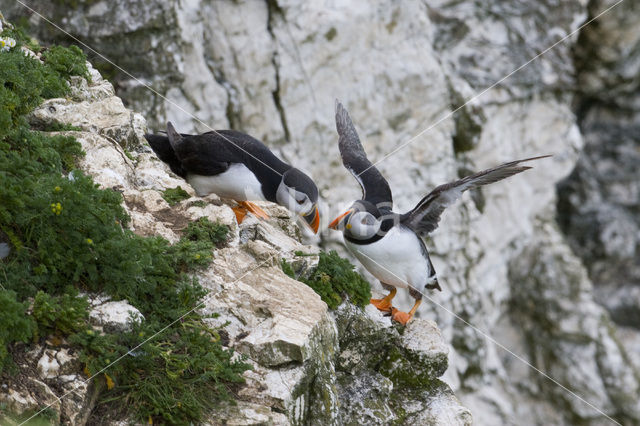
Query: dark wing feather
(200,165)
(424,217)
(191,155)
(375,188)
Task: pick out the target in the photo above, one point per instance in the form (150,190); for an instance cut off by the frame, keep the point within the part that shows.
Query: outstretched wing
(424,217)
(375,188)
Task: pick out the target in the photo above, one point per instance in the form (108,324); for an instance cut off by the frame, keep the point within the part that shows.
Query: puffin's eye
(300,201)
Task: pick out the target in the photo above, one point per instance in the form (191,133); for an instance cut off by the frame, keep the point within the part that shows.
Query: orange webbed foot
(240,212)
(401,317)
(253,208)
(404,317)
(383,305)
(245,207)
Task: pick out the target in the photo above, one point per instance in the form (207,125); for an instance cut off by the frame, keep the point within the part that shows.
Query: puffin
(235,165)
(388,244)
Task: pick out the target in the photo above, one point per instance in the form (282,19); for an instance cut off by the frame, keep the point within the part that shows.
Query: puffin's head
(361,222)
(299,194)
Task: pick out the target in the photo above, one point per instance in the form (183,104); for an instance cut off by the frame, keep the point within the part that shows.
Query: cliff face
(600,200)
(273,70)
(308,365)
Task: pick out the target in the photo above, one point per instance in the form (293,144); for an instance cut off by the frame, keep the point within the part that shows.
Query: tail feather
(433,283)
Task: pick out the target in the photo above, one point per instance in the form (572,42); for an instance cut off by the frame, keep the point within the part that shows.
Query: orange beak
(337,220)
(313,219)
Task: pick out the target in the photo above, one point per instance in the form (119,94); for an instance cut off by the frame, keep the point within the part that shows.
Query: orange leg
(384,304)
(246,206)
(404,317)
(253,208)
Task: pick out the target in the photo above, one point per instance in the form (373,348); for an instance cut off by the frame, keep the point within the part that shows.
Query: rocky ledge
(309,365)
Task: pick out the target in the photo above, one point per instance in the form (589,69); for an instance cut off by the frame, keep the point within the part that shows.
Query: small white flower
(28,52)
(6,43)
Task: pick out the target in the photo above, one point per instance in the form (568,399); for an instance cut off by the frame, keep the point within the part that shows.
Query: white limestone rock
(32,396)
(99,161)
(94,108)
(278,314)
(48,365)
(248,414)
(54,363)
(115,316)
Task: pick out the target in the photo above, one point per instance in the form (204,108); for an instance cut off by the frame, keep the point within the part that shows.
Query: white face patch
(296,201)
(362,226)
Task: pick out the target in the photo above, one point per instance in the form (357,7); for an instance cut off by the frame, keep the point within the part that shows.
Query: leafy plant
(174,195)
(68,235)
(15,325)
(205,230)
(67,61)
(62,315)
(59,127)
(334,279)
(199,239)
(288,269)
(175,377)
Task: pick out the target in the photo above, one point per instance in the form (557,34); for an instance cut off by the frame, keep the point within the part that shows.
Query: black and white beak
(313,219)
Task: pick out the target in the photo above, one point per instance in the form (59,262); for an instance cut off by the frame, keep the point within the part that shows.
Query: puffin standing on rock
(237,166)
(388,244)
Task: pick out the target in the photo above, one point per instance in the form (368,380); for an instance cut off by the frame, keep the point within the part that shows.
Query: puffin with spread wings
(389,245)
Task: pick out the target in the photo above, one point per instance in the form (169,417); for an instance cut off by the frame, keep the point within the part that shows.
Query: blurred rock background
(547,263)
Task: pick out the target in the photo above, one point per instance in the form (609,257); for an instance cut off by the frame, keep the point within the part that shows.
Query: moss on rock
(334,279)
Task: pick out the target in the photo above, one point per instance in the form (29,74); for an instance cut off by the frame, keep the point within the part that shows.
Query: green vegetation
(174,378)
(67,235)
(174,195)
(59,127)
(67,61)
(334,279)
(195,247)
(19,34)
(16,325)
(46,418)
(197,203)
(60,315)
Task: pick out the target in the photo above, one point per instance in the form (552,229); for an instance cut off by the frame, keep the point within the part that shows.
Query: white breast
(237,182)
(396,259)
